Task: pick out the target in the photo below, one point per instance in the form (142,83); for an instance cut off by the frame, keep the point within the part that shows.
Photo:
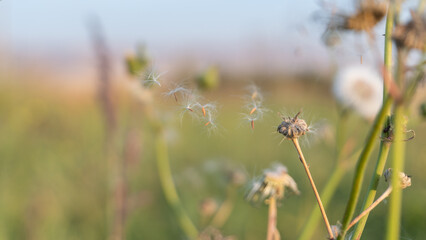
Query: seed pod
(293,127)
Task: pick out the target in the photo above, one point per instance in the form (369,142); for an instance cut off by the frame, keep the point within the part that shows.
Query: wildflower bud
(293,127)
(208,207)
(405,180)
(209,79)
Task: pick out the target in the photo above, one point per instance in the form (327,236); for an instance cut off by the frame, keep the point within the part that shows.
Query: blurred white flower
(360,88)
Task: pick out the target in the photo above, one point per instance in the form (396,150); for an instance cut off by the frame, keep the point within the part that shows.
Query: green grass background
(54,174)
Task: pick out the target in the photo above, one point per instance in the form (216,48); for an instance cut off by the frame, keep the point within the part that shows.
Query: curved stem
(225,209)
(272,219)
(169,189)
(314,188)
(371,207)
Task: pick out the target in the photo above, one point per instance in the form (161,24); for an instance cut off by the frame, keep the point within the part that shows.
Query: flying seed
(174,94)
(207,123)
(361,59)
(253,110)
(204,111)
(254,95)
(190,109)
(252,124)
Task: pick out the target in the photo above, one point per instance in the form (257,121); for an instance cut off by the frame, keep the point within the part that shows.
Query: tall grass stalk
(398,152)
(384,146)
(168,186)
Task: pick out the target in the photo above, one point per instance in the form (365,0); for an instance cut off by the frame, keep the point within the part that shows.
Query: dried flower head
(293,127)
(405,180)
(273,183)
(412,34)
(360,88)
(365,18)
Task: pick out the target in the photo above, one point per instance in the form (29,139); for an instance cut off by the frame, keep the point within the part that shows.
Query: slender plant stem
(371,207)
(372,189)
(362,163)
(272,219)
(398,151)
(326,195)
(384,146)
(302,159)
(169,187)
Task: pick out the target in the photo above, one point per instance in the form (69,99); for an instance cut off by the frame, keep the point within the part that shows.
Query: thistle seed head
(293,127)
(405,180)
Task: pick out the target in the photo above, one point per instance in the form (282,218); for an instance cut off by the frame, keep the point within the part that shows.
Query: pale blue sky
(47,22)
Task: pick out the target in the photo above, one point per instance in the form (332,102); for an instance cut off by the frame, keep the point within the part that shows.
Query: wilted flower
(405,180)
(272,183)
(293,127)
(360,88)
(411,34)
(365,18)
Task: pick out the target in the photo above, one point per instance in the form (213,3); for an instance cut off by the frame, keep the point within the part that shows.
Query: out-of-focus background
(54,157)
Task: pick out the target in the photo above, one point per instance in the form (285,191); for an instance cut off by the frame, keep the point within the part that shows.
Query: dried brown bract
(412,34)
(364,19)
(293,127)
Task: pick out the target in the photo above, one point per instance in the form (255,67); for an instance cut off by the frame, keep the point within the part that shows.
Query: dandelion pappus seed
(252,124)
(360,58)
(204,111)
(254,95)
(207,123)
(253,110)
(176,99)
(188,108)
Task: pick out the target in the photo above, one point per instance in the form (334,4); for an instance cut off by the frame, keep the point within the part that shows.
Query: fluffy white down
(360,88)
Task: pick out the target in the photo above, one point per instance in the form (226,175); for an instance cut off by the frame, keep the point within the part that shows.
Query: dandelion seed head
(359,88)
(151,78)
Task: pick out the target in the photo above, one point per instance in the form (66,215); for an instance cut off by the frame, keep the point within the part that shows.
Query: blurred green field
(55,176)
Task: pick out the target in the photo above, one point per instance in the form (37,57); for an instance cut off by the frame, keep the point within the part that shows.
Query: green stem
(372,189)
(169,189)
(398,151)
(362,163)
(384,146)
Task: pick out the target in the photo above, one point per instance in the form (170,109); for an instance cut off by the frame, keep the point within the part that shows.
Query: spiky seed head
(293,127)
(405,180)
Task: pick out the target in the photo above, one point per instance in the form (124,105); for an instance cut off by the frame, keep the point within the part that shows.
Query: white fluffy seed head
(359,88)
